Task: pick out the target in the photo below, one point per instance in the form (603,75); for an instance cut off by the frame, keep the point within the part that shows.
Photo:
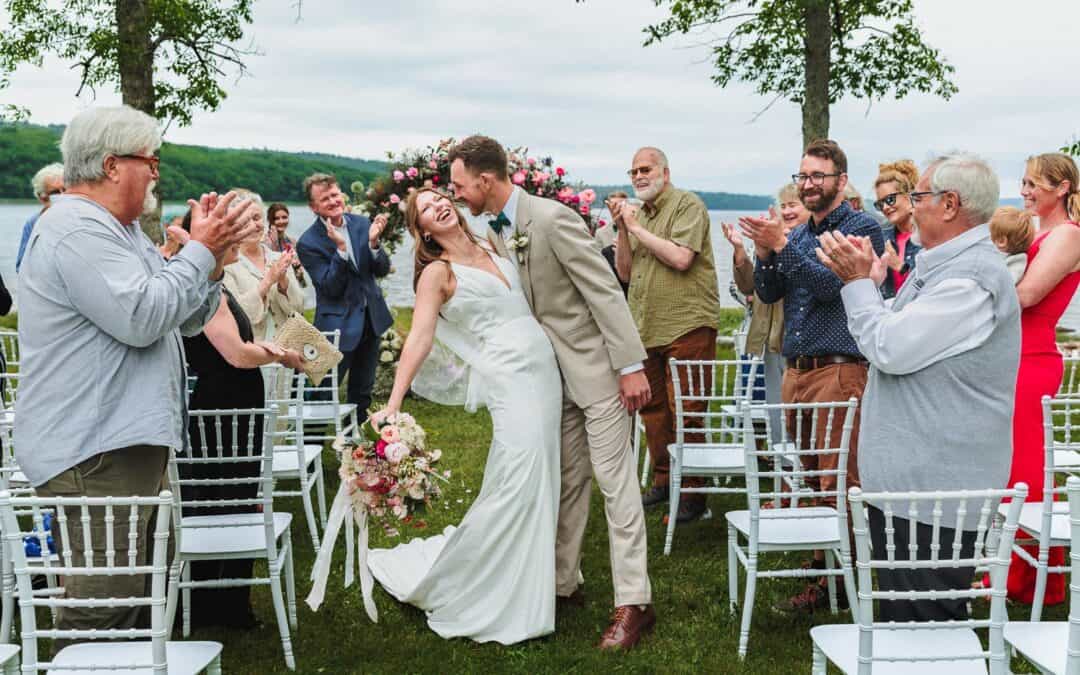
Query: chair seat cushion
(285,459)
(232,533)
(815,524)
(840,642)
(1044,643)
(7,652)
(183,657)
(719,457)
(1065,456)
(323,412)
(1031,521)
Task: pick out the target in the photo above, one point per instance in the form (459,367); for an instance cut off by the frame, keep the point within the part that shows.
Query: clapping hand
(376,229)
(276,271)
(217,226)
(735,239)
(766,233)
(850,258)
(890,258)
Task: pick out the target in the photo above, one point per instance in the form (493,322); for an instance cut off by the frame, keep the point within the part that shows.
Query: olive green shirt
(666,303)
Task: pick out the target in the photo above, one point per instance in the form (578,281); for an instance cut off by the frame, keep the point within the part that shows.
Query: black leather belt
(812,362)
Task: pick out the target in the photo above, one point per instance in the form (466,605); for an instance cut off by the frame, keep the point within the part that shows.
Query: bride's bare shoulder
(437,279)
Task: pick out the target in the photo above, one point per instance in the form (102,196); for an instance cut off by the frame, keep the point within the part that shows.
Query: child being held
(1012,230)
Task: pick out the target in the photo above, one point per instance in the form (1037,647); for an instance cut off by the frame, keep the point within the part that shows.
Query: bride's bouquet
(391,474)
(387,475)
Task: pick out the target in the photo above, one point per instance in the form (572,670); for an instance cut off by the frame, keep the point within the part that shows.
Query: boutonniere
(518,243)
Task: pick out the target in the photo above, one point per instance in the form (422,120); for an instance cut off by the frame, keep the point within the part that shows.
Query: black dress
(221,386)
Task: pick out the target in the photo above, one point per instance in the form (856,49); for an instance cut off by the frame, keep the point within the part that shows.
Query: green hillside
(714,201)
(186,170)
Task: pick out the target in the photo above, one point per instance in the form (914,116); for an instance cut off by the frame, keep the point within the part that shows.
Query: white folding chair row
(211,478)
(777,520)
(294,458)
(925,647)
(120,649)
(1054,646)
(1047,522)
(708,440)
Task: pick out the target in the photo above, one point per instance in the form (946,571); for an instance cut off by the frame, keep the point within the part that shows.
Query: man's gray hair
(972,179)
(661,158)
(45,174)
(98,132)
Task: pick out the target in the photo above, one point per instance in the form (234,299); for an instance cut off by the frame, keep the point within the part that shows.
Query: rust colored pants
(659,413)
(837,382)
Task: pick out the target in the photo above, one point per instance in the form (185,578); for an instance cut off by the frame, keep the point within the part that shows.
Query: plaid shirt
(815,323)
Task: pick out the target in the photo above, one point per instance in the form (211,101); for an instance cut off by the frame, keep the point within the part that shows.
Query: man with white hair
(943,358)
(48,181)
(102,396)
(665,253)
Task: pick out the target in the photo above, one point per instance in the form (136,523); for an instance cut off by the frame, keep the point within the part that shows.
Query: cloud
(573,81)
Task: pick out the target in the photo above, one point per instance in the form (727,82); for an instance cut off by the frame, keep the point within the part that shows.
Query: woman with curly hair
(894,181)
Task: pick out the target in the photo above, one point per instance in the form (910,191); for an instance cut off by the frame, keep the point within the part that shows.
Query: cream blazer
(575,297)
(242,279)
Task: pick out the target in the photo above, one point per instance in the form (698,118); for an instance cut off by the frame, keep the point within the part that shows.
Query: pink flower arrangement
(430,167)
(390,473)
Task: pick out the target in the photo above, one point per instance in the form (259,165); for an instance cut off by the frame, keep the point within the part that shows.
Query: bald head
(649,173)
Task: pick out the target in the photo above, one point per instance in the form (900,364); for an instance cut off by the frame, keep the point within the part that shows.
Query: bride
(491,578)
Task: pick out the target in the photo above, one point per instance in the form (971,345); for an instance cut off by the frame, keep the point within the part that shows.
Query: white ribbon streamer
(343,513)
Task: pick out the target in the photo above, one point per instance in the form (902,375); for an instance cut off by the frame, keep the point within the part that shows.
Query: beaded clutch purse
(319,355)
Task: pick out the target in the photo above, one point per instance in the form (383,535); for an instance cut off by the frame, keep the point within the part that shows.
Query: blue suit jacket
(346,290)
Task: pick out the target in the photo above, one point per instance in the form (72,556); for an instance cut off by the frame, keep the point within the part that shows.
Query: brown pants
(659,413)
(837,382)
(138,470)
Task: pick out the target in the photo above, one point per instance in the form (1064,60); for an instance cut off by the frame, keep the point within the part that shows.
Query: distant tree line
(186,170)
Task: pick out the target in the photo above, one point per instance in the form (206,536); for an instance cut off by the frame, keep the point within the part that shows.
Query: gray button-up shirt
(100,319)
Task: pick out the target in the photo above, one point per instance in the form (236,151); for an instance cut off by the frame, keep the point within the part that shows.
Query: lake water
(398,286)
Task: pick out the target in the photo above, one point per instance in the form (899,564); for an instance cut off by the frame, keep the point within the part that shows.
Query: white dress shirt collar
(510,211)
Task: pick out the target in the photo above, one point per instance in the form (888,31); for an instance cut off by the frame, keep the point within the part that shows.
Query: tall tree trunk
(815,106)
(135,61)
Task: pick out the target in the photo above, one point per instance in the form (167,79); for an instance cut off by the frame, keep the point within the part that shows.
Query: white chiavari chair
(113,650)
(324,407)
(708,440)
(1054,646)
(938,647)
(217,478)
(778,520)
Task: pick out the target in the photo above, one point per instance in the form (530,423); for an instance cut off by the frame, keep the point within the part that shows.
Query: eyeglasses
(643,170)
(887,200)
(152,161)
(916,197)
(57,191)
(816,178)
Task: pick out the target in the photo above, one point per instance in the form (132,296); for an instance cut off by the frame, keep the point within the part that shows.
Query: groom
(577,300)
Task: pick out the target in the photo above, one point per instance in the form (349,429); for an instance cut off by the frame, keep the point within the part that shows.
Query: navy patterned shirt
(815,323)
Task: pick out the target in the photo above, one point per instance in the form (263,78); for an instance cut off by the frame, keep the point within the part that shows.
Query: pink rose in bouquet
(398,176)
(412,172)
(518,178)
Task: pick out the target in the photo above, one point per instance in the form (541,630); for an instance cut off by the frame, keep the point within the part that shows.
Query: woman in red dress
(1050,192)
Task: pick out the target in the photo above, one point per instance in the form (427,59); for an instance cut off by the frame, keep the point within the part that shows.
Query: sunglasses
(643,170)
(887,200)
(152,161)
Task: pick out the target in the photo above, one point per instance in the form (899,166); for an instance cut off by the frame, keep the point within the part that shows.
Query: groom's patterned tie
(499,223)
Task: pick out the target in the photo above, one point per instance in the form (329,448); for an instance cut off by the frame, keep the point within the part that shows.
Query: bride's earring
(427,237)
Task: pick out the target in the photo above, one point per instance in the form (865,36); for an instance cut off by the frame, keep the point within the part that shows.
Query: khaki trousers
(596,442)
(138,470)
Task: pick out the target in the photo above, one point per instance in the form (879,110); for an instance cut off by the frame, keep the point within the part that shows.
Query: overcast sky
(573,81)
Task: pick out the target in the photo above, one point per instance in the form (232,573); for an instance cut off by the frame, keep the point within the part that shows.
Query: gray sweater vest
(949,425)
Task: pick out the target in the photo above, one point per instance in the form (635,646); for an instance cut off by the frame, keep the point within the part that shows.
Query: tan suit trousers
(596,442)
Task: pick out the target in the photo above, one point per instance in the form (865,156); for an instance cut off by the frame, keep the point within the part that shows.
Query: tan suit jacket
(575,297)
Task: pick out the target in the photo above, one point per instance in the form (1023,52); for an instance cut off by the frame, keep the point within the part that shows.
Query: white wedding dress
(491,578)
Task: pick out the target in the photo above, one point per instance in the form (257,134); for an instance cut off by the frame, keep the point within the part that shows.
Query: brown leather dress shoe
(628,624)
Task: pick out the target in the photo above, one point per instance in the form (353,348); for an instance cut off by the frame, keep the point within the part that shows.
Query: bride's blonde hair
(427,250)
